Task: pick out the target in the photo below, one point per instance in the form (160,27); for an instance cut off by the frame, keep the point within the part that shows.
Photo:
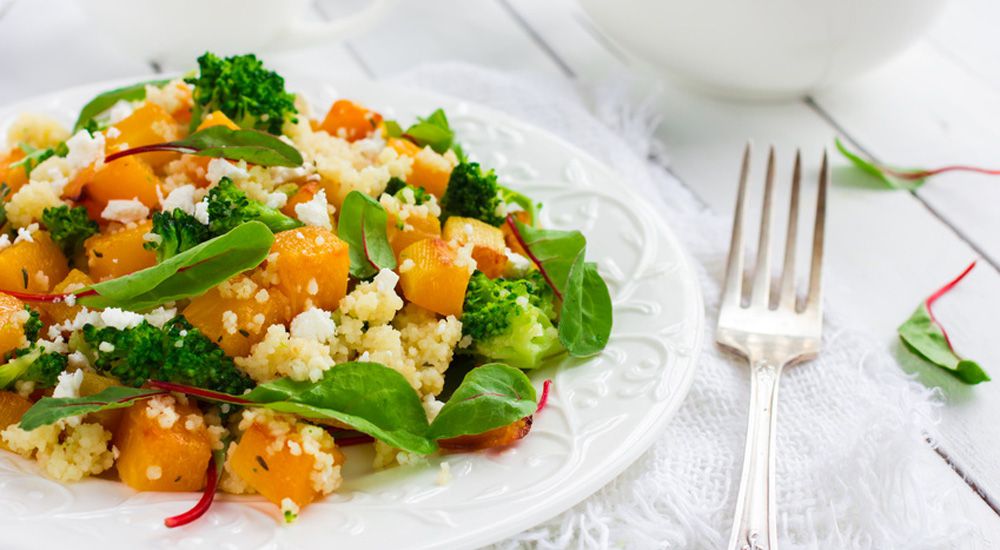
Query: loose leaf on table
(489,397)
(923,335)
(906,180)
(106,100)
(49,410)
(185,275)
(433,131)
(362,225)
(369,397)
(253,146)
(585,317)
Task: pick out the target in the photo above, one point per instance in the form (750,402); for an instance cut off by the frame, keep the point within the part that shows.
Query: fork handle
(754,525)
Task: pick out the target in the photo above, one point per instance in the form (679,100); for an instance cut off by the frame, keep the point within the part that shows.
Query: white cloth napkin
(850,423)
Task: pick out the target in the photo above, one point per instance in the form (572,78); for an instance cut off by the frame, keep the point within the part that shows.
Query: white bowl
(764,48)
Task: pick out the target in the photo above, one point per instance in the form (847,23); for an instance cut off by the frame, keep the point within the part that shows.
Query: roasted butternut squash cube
(12,319)
(433,276)
(32,266)
(12,408)
(430,170)
(312,265)
(118,250)
(123,179)
(497,437)
(277,474)
(95,383)
(237,315)
(489,248)
(348,120)
(61,312)
(146,125)
(14,177)
(305,194)
(415,229)
(217,118)
(157,457)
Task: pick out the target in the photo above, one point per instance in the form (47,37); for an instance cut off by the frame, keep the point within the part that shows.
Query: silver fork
(770,337)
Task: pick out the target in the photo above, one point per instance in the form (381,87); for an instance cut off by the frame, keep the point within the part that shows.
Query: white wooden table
(937,104)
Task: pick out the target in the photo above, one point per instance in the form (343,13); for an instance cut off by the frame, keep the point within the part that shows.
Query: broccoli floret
(33,325)
(178,231)
(69,227)
(397,187)
(228,207)
(473,193)
(509,321)
(35,365)
(240,86)
(177,353)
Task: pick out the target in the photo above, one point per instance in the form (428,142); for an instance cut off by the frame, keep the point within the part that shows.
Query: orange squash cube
(348,120)
(497,437)
(146,125)
(12,318)
(32,266)
(430,170)
(312,266)
(217,118)
(276,474)
(157,458)
(489,249)
(15,177)
(118,250)
(61,312)
(95,383)
(12,408)
(432,278)
(253,316)
(416,229)
(122,179)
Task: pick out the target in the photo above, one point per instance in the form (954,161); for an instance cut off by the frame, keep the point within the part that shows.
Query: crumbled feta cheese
(85,150)
(69,384)
(314,324)
(159,316)
(230,322)
(112,132)
(161,408)
(315,211)
(407,265)
(4,241)
(201,211)
(120,319)
(120,111)
(181,198)
(24,233)
(106,347)
(276,200)
(222,168)
(125,211)
(386,280)
(517,265)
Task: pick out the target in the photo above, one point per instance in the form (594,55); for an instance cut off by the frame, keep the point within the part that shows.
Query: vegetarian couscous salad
(205,288)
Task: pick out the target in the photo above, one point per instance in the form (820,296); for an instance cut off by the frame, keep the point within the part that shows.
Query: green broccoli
(240,86)
(177,353)
(33,325)
(35,365)
(69,227)
(473,193)
(178,231)
(510,320)
(396,186)
(228,207)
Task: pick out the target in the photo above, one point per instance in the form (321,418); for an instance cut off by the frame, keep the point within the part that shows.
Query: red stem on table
(203,504)
(921,174)
(512,223)
(545,396)
(929,302)
(199,392)
(152,148)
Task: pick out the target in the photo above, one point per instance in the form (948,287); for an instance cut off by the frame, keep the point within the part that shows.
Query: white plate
(602,412)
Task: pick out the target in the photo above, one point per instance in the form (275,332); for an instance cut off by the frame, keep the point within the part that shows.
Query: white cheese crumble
(314,324)
(314,211)
(106,347)
(125,211)
(68,385)
(85,150)
(181,198)
(222,168)
(120,319)
(201,211)
(24,234)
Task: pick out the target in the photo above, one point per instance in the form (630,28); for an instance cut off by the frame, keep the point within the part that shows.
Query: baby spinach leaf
(889,178)
(489,397)
(104,101)
(434,131)
(369,397)
(362,225)
(585,317)
(253,146)
(924,337)
(185,275)
(49,410)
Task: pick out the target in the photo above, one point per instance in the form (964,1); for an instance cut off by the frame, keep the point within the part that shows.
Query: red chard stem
(929,303)
(199,392)
(203,504)
(512,223)
(545,396)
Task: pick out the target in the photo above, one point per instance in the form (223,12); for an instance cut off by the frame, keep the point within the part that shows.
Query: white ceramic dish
(602,413)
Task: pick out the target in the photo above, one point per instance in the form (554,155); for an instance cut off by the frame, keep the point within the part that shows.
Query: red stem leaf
(203,504)
(154,147)
(929,303)
(48,298)
(531,255)
(921,174)
(199,392)
(545,396)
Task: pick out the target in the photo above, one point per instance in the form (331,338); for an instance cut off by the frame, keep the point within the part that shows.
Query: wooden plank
(46,48)
(886,250)
(967,34)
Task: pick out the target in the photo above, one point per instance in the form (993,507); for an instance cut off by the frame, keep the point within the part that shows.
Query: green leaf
(104,101)
(49,410)
(585,317)
(32,158)
(188,274)
(392,128)
(362,225)
(531,207)
(489,397)
(889,180)
(252,146)
(16,367)
(433,131)
(369,397)
(924,337)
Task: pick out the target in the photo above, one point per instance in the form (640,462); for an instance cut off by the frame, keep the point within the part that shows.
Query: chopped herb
(24,277)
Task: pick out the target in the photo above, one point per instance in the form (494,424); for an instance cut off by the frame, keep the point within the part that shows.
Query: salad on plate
(205,287)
